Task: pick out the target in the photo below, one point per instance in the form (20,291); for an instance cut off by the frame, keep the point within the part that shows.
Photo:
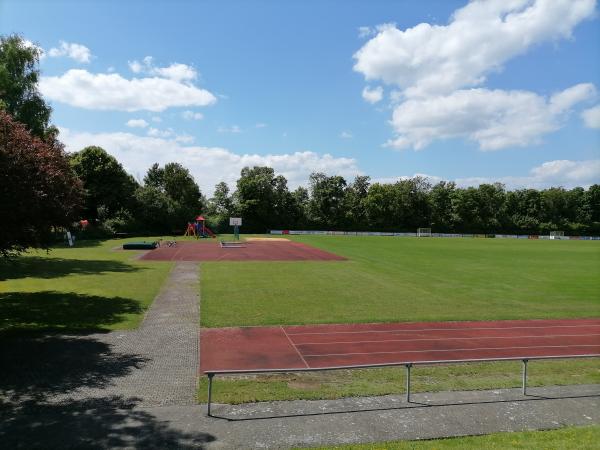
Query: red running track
(318,346)
(254,251)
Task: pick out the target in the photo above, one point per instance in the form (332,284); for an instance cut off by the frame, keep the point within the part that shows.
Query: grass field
(85,288)
(581,438)
(408,279)
(405,279)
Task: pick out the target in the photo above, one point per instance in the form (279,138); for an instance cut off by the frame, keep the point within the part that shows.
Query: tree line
(169,197)
(42,188)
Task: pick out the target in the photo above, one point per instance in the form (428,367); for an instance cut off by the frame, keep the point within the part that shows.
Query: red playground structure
(199,229)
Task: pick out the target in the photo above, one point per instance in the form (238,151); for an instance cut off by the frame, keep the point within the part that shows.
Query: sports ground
(329,301)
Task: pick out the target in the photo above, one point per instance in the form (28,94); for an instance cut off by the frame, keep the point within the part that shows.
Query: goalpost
(557,235)
(424,232)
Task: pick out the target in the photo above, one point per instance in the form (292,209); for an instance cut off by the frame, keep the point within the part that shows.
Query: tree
(19,95)
(170,196)
(221,202)
(108,188)
(327,199)
(356,193)
(156,210)
(220,207)
(38,189)
(256,198)
(440,200)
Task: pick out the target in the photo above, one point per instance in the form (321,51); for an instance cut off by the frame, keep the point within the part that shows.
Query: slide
(209,232)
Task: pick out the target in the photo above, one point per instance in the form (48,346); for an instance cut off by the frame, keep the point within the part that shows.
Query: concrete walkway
(387,418)
(157,364)
(165,346)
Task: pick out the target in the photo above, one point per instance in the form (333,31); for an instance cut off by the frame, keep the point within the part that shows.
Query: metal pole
(525,376)
(210,378)
(408,366)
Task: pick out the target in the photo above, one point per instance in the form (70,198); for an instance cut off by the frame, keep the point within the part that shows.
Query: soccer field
(407,279)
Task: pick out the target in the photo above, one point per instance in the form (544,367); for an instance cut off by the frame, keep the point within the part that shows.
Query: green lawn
(88,287)
(408,279)
(580,438)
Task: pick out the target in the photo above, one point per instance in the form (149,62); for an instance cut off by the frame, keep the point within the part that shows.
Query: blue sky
(488,91)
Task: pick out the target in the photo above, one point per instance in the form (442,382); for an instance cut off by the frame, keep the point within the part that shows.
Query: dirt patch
(253,251)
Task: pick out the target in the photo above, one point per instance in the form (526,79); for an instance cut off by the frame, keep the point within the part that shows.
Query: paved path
(157,364)
(387,418)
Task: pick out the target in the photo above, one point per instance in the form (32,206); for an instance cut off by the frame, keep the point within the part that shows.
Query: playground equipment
(199,229)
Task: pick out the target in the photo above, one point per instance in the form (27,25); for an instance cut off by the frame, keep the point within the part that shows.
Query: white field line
(295,348)
(442,329)
(451,339)
(452,350)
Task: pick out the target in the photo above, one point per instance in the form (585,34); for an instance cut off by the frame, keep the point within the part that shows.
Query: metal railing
(408,365)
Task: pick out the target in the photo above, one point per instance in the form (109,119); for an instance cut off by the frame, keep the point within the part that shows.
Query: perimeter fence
(441,235)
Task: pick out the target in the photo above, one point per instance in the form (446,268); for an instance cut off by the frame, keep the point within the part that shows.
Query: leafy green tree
(171,189)
(301,201)
(440,201)
(523,208)
(38,189)
(220,208)
(222,202)
(327,195)
(108,188)
(19,95)
(356,193)
(490,207)
(156,210)
(257,199)
(381,205)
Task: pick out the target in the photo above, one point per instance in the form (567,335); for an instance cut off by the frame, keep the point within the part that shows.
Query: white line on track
(295,348)
(453,350)
(442,329)
(451,339)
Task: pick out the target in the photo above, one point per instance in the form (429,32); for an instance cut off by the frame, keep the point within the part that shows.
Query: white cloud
(101,91)
(432,67)
(156,119)
(346,135)
(155,132)
(209,165)
(480,37)
(175,71)
(191,115)
(260,125)
(137,123)
(373,95)
(77,52)
(565,100)
(232,129)
(494,119)
(364,32)
(591,117)
(565,173)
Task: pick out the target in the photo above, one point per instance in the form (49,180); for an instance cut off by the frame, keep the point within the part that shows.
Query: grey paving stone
(156,364)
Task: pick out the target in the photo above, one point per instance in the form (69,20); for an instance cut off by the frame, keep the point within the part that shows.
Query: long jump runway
(253,251)
(320,346)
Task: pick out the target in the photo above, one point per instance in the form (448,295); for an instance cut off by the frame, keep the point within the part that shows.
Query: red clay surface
(254,251)
(314,346)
